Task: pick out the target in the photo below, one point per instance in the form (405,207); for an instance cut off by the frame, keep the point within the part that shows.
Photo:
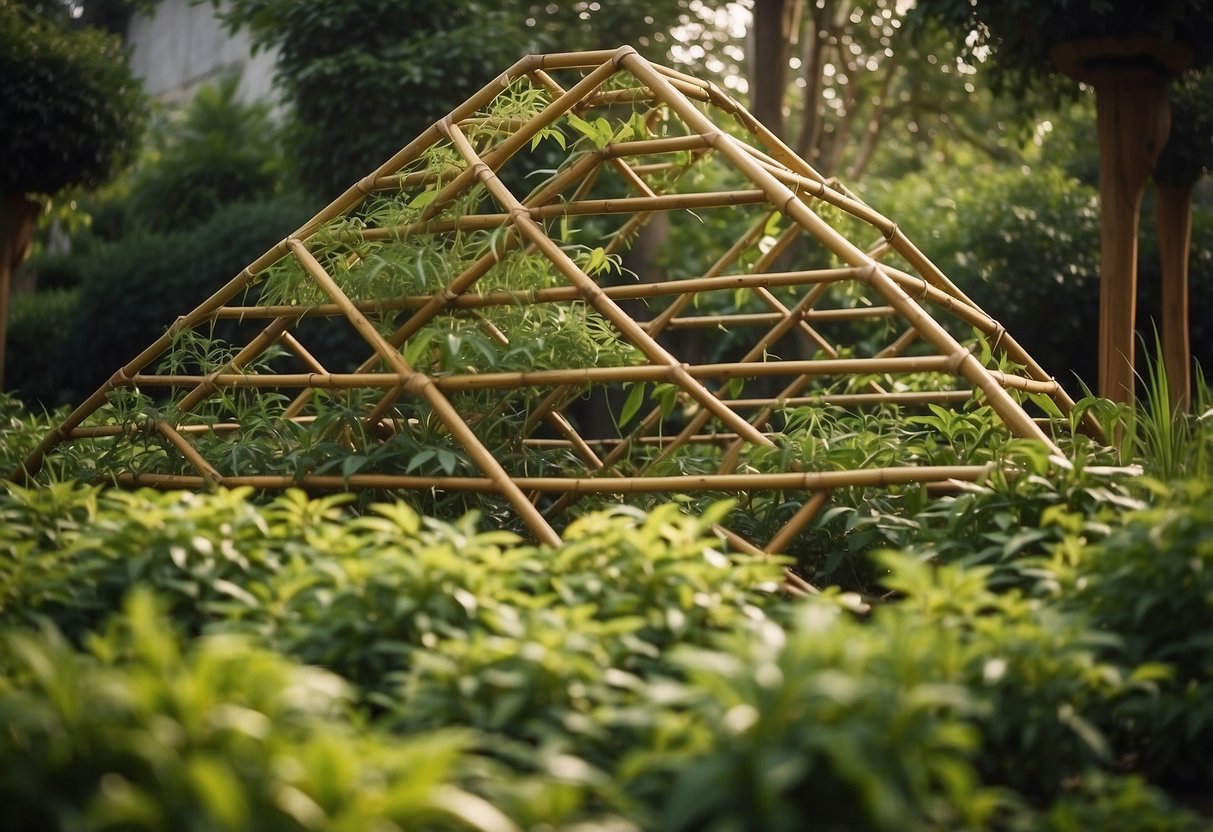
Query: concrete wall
(183,46)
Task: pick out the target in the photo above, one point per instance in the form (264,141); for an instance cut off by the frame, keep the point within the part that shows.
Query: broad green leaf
(632,404)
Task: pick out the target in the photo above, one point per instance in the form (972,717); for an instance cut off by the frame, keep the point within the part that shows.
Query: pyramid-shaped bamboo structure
(453,268)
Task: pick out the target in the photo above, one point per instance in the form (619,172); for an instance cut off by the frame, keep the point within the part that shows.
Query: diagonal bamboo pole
(784,537)
(594,295)
(966,364)
(424,387)
(788,320)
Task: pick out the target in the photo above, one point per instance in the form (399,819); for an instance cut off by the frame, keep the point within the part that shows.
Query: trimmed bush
(134,289)
(39,328)
(1025,247)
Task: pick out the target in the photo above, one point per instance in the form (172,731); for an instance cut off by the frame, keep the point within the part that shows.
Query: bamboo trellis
(640,141)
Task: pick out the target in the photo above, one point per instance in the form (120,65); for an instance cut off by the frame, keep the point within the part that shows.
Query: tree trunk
(775,22)
(17,216)
(812,60)
(1173,213)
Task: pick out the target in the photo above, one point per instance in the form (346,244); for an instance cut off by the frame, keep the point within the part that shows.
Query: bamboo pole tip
(624,53)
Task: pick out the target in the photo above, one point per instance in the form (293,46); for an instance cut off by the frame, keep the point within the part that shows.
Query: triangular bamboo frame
(780,180)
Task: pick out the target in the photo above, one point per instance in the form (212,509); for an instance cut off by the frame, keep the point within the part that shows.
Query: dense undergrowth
(1030,654)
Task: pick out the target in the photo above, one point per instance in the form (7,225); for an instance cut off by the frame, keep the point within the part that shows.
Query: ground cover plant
(1031,656)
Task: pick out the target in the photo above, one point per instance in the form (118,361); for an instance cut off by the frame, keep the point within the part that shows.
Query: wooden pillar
(1134,118)
(1130,76)
(1173,213)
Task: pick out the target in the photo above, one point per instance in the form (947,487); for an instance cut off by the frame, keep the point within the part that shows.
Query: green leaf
(632,404)
(424,198)
(352,464)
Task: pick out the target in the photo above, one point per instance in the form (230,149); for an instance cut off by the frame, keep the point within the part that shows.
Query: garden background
(1032,653)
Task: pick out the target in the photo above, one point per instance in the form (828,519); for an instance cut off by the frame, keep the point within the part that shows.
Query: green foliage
(1188,154)
(36,325)
(357,594)
(87,128)
(818,721)
(636,674)
(1018,242)
(364,78)
(1018,36)
(216,151)
(1150,583)
(139,733)
(135,288)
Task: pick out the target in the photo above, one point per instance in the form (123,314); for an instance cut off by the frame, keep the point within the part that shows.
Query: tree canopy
(366,76)
(1021,34)
(1188,154)
(82,132)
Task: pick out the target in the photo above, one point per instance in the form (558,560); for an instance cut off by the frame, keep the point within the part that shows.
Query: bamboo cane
(803,516)
(727,483)
(424,387)
(594,295)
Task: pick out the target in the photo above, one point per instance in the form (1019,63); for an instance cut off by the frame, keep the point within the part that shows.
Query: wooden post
(1134,118)
(1133,112)
(1173,213)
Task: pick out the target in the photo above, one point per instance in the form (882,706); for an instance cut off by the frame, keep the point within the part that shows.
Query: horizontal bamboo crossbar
(547,378)
(621,205)
(768,318)
(558,294)
(689,483)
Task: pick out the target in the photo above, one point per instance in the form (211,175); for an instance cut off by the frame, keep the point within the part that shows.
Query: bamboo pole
(593,293)
(255,347)
(208,472)
(803,516)
(578,375)
(616,205)
(965,364)
(727,483)
(302,353)
(421,385)
(766,318)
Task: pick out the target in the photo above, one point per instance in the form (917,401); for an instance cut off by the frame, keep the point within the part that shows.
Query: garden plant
(854,561)
(488,316)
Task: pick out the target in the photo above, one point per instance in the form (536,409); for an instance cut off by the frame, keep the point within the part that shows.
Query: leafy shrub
(136,287)
(1019,243)
(819,721)
(1036,640)
(955,708)
(358,594)
(85,131)
(217,151)
(55,271)
(139,734)
(38,329)
(1038,670)
(1150,583)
